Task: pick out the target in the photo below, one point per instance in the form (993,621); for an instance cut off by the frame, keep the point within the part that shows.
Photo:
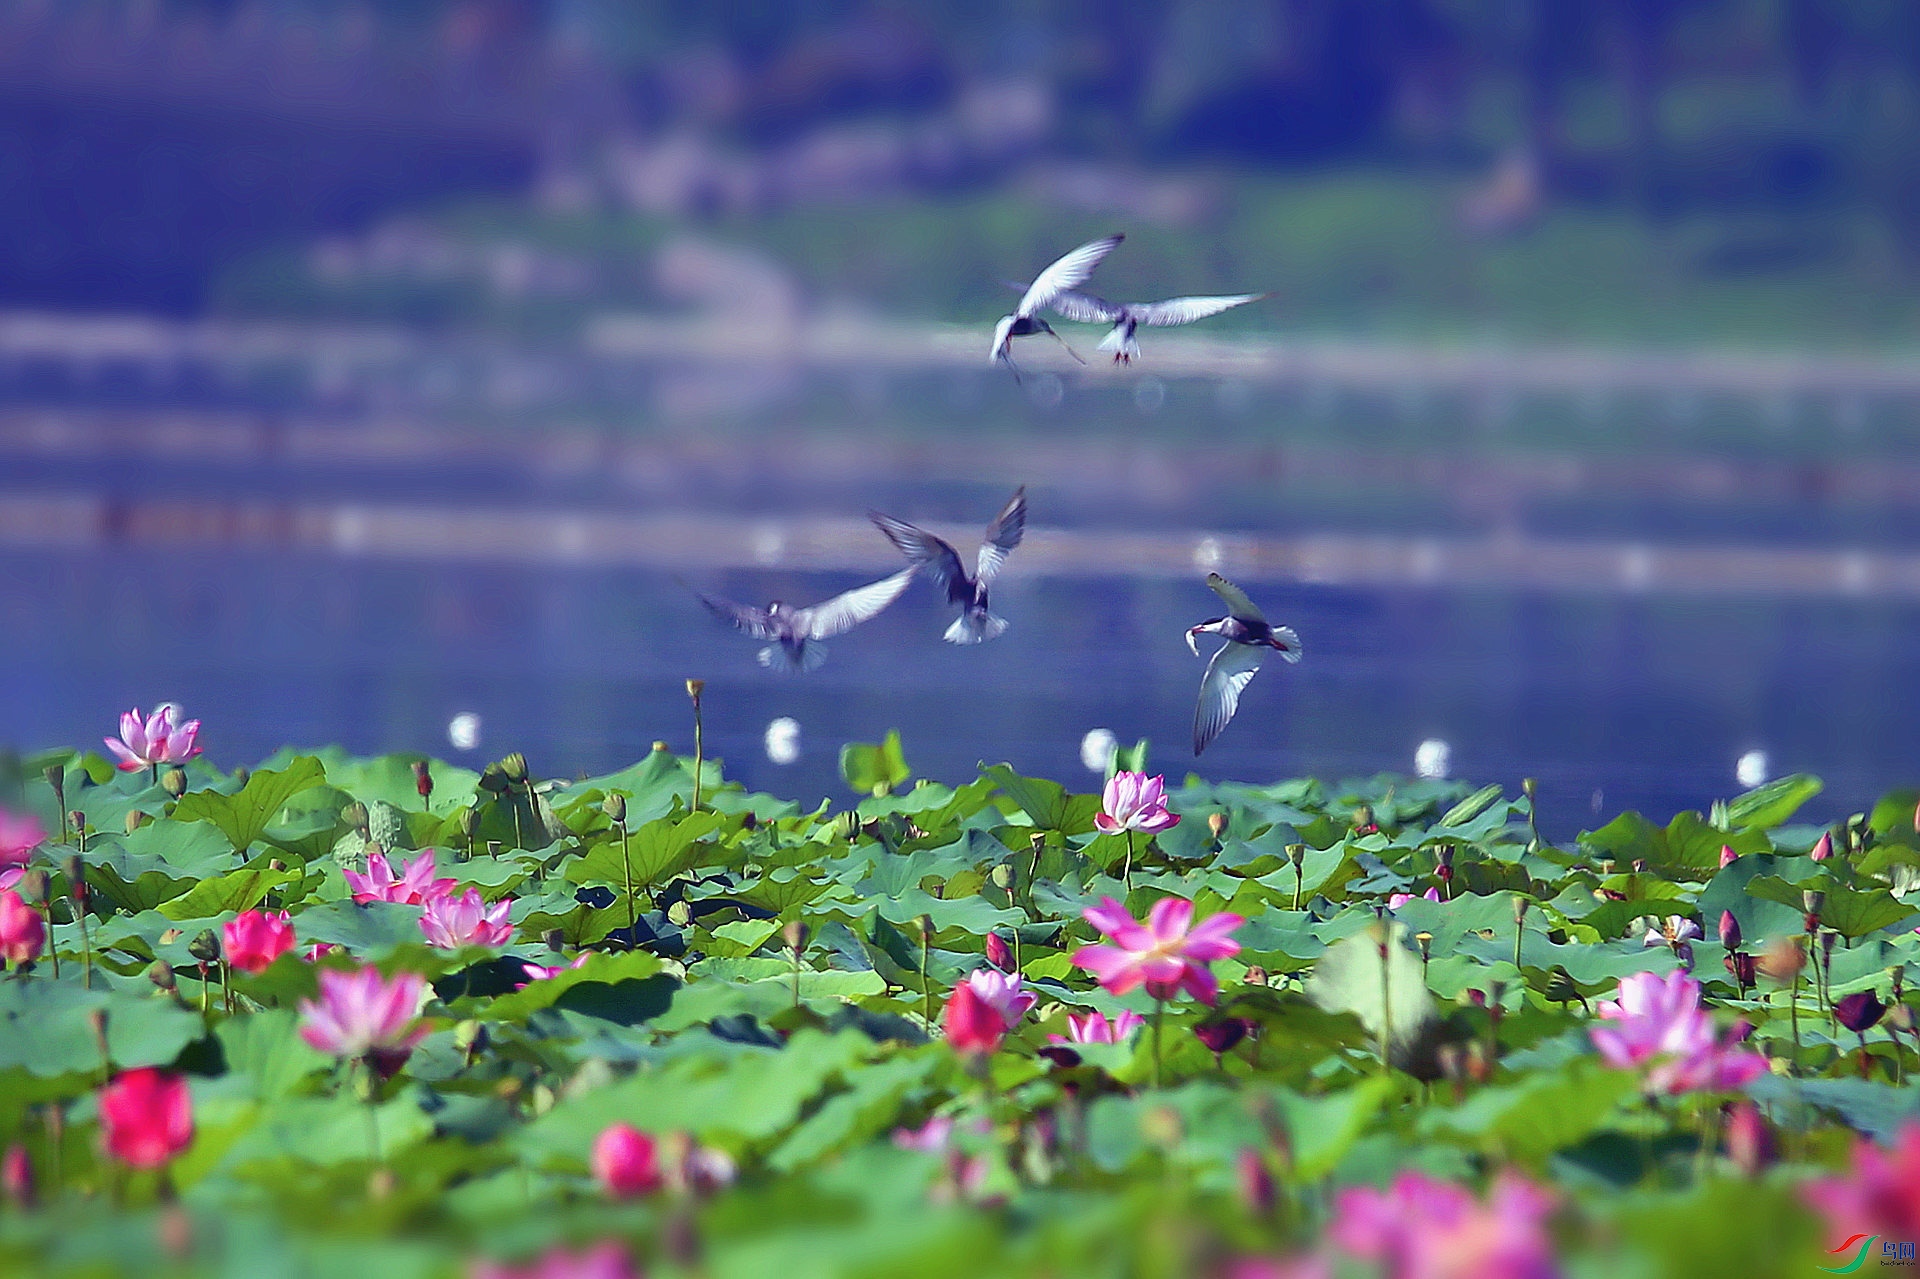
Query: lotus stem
(694,688)
(626,865)
(1126,873)
(1159,1016)
(1386,1006)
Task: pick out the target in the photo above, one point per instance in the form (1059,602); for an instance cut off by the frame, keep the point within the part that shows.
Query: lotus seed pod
(680,914)
(1002,877)
(135,820)
(355,816)
(160,973)
(1217,824)
(695,687)
(469,823)
(615,807)
(515,767)
(1529,787)
(174,782)
(1363,818)
(79,820)
(794,933)
(493,780)
(387,825)
(205,946)
(1296,854)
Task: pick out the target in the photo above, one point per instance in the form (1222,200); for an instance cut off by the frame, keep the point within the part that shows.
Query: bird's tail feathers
(1121,343)
(778,657)
(1287,643)
(976,627)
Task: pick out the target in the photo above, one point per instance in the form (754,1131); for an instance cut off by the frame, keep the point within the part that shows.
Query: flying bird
(1125,317)
(1064,274)
(1248,637)
(793,635)
(975,625)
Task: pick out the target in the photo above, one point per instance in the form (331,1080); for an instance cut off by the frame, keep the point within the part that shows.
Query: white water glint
(783,740)
(1097,748)
(463,731)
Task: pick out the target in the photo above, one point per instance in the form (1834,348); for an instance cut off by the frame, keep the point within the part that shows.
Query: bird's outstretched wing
(1002,536)
(939,559)
(756,622)
(1084,308)
(1070,270)
(1229,672)
(1237,602)
(844,612)
(1173,311)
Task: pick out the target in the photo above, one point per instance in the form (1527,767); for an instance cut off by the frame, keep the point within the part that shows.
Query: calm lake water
(1612,698)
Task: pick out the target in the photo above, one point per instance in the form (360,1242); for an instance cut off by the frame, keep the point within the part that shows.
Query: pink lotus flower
(1134,801)
(22,932)
(147,1116)
(973,1025)
(1165,953)
(625,1160)
(452,922)
(1397,900)
(256,938)
(1094,1028)
(20,834)
(1425,1229)
(1659,1023)
(362,1014)
(159,738)
(1002,992)
(416,885)
(540,972)
(1878,1194)
(602,1261)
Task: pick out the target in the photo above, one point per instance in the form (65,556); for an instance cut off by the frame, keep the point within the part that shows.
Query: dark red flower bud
(1741,966)
(999,954)
(1221,1036)
(1860,1011)
(422,779)
(1729,930)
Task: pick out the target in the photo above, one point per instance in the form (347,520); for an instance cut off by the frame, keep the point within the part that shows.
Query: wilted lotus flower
(625,1160)
(1859,1012)
(147,1116)
(452,922)
(256,938)
(1674,931)
(22,932)
(1879,1193)
(1167,952)
(1658,1022)
(1134,801)
(159,738)
(602,1261)
(361,1014)
(1094,1028)
(540,972)
(1426,1229)
(415,887)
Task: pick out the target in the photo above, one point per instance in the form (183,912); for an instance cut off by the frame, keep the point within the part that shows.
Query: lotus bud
(1823,849)
(1828,940)
(794,933)
(1727,856)
(1520,905)
(1782,961)
(1529,787)
(1257,1191)
(32,886)
(999,954)
(160,973)
(469,824)
(1296,854)
(1002,877)
(1900,1016)
(1860,1011)
(1221,1037)
(1255,976)
(1363,820)
(1426,946)
(1897,974)
(748,821)
(356,816)
(57,779)
(16,1176)
(1815,901)
(1443,858)
(493,780)
(1729,930)
(1217,824)
(422,779)
(615,807)
(1749,1140)
(174,782)
(205,946)
(659,748)
(554,939)
(515,767)
(74,869)
(680,914)
(925,924)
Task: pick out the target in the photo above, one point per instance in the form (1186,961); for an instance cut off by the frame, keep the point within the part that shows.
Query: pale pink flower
(452,922)
(1674,930)
(20,834)
(1397,900)
(256,938)
(1094,1028)
(159,738)
(540,972)
(1134,801)
(1658,1023)
(1420,1228)
(1002,992)
(1167,952)
(1879,1193)
(362,1014)
(606,1260)
(415,887)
